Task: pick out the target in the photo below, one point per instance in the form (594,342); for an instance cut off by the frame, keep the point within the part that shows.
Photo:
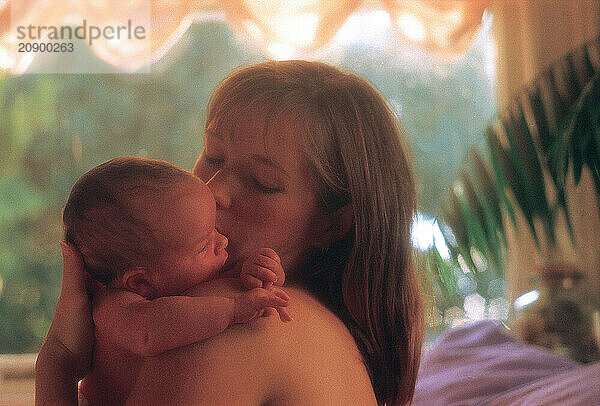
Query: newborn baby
(146,231)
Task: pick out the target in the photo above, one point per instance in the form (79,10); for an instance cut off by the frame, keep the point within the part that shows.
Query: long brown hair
(353,145)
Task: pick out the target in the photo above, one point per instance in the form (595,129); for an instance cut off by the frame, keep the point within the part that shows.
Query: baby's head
(144,225)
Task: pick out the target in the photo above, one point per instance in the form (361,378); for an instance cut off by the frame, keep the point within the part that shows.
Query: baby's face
(195,250)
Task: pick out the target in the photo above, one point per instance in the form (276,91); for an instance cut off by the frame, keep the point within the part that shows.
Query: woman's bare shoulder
(324,365)
(311,360)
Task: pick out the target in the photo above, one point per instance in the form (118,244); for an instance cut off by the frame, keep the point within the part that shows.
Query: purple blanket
(483,364)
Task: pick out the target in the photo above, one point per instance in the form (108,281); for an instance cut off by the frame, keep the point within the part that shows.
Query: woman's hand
(66,355)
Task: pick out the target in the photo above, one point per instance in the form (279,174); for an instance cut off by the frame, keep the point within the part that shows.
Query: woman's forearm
(66,355)
(55,381)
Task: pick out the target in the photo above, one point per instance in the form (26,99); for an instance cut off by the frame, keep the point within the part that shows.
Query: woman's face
(264,193)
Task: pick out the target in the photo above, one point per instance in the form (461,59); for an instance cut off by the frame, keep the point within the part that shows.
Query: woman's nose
(221,189)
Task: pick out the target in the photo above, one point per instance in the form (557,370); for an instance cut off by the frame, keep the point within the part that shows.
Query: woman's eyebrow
(268,161)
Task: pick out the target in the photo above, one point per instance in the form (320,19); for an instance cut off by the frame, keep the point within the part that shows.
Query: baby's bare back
(114,372)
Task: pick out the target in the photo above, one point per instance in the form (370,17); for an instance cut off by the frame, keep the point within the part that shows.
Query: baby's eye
(203,249)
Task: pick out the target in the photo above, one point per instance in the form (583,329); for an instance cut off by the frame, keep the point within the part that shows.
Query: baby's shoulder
(108,299)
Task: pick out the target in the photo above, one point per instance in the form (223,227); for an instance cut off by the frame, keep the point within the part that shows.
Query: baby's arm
(150,327)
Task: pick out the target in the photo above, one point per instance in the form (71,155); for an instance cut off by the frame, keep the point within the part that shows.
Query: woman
(307,160)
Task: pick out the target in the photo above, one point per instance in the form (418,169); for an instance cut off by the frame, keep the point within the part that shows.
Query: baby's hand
(248,305)
(262,269)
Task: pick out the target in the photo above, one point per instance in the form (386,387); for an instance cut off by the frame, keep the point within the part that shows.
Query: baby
(146,230)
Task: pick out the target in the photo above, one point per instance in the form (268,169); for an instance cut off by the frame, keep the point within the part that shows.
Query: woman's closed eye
(261,187)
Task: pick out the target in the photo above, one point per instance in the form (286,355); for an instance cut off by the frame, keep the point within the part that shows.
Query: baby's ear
(138,280)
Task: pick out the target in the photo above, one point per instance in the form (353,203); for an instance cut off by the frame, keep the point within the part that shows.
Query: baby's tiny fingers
(280,293)
(267,298)
(268,311)
(269,252)
(284,315)
(266,262)
(275,301)
(250,282)
(264,274)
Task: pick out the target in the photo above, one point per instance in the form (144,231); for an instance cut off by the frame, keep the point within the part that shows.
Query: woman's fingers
(73,282)
(72,328)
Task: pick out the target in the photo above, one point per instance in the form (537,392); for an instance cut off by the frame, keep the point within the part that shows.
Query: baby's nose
(221,242)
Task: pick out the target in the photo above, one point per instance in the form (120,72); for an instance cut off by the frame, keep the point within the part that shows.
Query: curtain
(281,28)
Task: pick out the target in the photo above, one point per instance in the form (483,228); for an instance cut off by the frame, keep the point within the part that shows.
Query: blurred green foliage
(53,128)
(549,131)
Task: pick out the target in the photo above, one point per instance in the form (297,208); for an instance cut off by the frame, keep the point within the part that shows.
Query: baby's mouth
(226,254)
(227,265)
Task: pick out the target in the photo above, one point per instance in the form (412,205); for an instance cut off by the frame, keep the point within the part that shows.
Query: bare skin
(144,313)
(312,360)
(265,197)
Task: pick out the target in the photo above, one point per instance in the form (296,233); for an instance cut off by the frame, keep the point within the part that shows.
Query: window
(55,127)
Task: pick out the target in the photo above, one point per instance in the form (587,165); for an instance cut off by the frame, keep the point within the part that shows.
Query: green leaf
(487,192)
(443,275)
(526,160)
(453,217)
(582,136)
(499,161)
(513,179)
(490,244)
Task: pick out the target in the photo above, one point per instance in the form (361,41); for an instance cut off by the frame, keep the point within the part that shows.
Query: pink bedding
(483,364)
